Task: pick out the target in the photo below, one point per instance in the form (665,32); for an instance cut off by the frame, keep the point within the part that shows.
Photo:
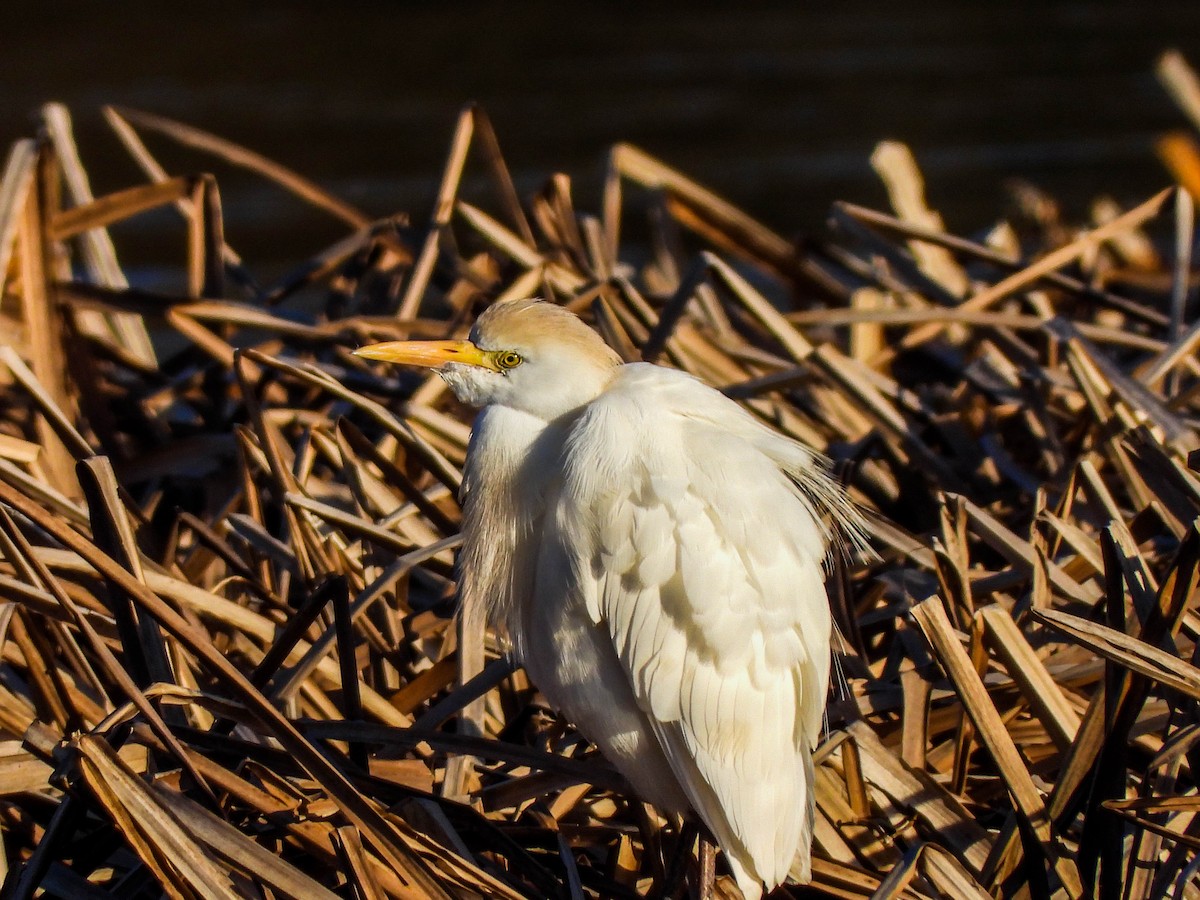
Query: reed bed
(230,663)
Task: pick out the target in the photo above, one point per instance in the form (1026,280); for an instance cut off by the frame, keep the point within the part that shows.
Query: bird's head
(525,354)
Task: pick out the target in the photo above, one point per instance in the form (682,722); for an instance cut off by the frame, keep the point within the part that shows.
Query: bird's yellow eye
(508,359)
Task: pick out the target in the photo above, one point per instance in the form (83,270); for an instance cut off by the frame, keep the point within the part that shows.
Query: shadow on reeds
(230,666)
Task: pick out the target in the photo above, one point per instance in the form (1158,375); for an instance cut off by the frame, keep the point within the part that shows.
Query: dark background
(775,105)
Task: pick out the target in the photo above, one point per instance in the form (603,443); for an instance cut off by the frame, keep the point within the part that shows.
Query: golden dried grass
(229,663)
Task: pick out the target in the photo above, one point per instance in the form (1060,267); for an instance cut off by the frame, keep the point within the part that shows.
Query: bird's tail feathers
(801,868)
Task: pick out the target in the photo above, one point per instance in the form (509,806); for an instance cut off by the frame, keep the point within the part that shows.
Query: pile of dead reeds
(229,662)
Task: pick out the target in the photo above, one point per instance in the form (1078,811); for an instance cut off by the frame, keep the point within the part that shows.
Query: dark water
(776,105)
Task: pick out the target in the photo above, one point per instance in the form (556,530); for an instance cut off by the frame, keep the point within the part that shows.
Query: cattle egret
(654,554)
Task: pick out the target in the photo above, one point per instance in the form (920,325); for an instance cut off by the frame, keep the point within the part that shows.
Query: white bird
(654,554)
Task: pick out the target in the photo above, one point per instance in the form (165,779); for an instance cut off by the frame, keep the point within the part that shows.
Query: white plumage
(654,554)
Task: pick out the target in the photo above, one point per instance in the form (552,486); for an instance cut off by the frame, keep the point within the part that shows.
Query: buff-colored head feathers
(527,324)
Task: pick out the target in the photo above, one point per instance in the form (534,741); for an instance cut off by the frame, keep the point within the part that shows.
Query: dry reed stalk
(229,661)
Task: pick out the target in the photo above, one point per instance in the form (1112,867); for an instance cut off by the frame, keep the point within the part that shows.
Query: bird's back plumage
(677,612)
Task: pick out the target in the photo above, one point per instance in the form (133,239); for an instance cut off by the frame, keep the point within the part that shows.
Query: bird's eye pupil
(509,360)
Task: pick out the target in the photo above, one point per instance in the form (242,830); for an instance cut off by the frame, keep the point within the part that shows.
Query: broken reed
(229,663)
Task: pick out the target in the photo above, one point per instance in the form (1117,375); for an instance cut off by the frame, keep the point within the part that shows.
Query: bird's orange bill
(428,353)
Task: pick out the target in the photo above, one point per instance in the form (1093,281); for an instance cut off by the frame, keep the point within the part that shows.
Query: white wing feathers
(700,551)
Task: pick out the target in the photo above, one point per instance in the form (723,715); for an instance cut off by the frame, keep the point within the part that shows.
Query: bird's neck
(504,486)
